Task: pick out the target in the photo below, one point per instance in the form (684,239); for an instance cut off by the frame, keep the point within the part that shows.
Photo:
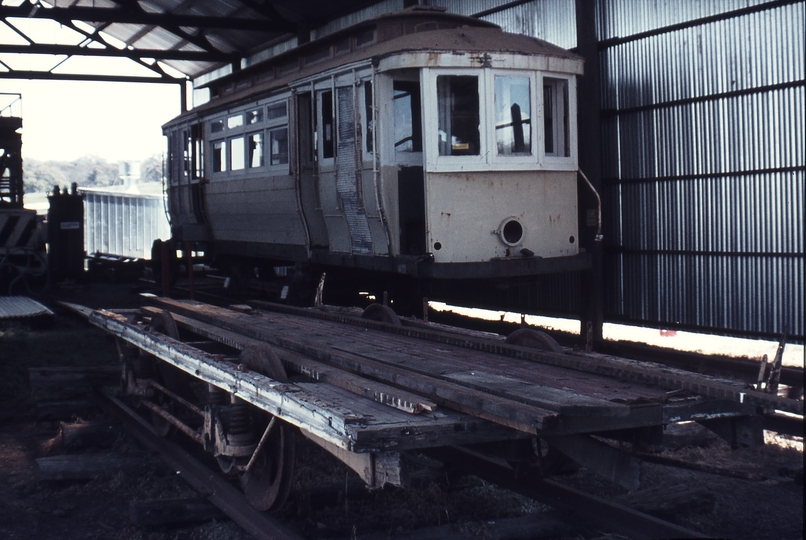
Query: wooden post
(166,268)
(190,270)
(590,162)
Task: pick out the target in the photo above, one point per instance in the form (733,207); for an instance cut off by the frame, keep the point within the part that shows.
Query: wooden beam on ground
(89,466)
(161,512)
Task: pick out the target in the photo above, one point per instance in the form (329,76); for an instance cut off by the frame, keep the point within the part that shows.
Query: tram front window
(408,136)
(513,115)
(458,110)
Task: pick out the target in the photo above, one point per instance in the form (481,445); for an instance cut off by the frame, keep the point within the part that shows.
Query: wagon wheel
(166,375)
(534,339)
(268,482)
(381,313)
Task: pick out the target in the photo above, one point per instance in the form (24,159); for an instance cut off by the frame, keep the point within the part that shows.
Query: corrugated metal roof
(21,307)
(216,31)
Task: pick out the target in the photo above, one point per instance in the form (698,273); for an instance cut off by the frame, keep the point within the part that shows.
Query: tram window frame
(276,122)
(282,157)
(218,156)
(459,106)
(326,125)
(502,95)
(561,106)
(237,153)
(434,161)
(255,150)
(410,112)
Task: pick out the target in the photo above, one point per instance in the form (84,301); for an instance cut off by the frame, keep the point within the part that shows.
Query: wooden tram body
(421,144)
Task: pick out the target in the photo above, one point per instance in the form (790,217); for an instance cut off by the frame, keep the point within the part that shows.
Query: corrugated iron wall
(703,173)
(124,224)
(703,156)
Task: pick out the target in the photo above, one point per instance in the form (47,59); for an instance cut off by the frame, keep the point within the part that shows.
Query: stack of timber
(370,387)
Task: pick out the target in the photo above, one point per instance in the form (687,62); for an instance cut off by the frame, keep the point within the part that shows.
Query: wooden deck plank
(388,395)
(631,371)
(506,412)
(333,414)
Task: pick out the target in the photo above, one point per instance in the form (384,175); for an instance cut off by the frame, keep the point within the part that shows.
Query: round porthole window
(511,232)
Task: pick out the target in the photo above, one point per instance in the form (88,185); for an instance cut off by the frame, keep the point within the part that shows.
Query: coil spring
(240,421)
(216,396)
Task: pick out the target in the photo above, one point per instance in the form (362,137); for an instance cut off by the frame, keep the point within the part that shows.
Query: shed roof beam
(48,76)
(134,54)
(126,16)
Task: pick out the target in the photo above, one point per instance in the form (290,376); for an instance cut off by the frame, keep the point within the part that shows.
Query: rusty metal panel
(704,164)
(124,224)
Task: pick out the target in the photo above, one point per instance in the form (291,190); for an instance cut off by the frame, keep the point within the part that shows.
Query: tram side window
(255,149)
(277,137)
(197,151)
(238,150)
(513,115)
(370,122)
(555,117)
(458,111)
(187,153)
(219,156)
(328,129)
(408,131)
(278,145)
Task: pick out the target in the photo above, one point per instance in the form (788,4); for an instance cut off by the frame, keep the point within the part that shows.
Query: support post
(590,162)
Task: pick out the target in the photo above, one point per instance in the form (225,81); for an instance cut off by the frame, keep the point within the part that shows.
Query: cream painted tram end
(438,149)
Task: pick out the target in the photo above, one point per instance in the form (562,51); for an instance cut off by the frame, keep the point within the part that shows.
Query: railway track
(574,504)
(216,489)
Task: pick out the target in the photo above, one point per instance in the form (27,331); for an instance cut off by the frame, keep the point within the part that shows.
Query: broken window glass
(408,131)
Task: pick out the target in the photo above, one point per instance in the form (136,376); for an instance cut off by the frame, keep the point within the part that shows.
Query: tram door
(308,176)
(186,161)
(408,156)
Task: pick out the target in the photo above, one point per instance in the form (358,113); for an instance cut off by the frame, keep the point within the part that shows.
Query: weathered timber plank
(390,429)
(73,376)
(172,511)
(619,368)
(89,466)
(382,393)
(669,501)
(565,402)
(84,434)
(313,406)
(506,412)
(287,401)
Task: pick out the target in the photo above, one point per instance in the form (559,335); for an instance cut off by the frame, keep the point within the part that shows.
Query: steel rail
(216,489)
(589,507)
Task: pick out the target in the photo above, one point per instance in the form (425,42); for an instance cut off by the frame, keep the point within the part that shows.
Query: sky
(66,120)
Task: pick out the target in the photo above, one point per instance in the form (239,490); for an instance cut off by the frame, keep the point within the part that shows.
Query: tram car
(420,144)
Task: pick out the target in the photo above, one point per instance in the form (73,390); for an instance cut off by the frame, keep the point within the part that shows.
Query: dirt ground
(770,507)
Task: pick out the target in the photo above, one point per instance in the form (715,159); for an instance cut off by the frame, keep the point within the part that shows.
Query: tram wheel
(381,313)
(534,339)
(268,482)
